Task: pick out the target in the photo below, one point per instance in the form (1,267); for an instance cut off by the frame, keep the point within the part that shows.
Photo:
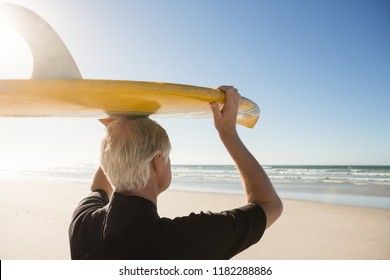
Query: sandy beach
(35,213)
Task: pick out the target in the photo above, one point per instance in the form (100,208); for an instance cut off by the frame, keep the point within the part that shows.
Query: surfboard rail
(98,98)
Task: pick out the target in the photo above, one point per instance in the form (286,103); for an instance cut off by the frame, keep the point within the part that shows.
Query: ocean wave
(355,175)
(298,182)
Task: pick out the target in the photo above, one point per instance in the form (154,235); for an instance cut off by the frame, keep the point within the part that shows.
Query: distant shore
(34,217)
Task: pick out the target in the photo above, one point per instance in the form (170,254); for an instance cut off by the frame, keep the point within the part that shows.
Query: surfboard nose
(51,58)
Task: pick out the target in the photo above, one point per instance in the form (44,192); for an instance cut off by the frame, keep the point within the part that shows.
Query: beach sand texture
(35,214)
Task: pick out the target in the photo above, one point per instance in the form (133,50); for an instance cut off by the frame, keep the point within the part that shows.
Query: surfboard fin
(51,58)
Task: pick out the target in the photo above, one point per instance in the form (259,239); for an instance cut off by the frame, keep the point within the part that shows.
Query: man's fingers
(215,109)
(217,114)
(231,94)
(224,88)
(105,121)
(108,120)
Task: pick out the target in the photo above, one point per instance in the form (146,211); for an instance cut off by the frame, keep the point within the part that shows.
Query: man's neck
(149,192)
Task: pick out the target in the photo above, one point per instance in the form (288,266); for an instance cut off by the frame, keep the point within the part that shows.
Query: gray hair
(127,149)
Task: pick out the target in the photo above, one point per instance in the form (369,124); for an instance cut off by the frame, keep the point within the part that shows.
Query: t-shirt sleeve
(96,200)
(87,217)
(216,235)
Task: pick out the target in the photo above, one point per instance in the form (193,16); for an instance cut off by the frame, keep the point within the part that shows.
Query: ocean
(367,186)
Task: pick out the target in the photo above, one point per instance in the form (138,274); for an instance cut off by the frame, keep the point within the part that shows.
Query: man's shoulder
(251,210)
(248,219)
(251,213)
(212,235)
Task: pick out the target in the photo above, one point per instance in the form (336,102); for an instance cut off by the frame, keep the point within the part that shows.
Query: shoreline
(35,215)
(377,198)
(342,185)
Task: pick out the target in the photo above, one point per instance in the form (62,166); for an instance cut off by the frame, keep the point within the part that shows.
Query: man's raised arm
(257,185)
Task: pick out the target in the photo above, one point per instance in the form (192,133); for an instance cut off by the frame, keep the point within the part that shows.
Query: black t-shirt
(129,227)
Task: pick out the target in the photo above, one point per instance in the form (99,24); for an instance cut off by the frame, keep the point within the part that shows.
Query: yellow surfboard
(57,89)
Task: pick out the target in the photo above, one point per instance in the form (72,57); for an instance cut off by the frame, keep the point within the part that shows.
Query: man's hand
(108,120)
(225,119)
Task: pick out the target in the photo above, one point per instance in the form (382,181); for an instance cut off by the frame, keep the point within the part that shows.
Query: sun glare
(15,55)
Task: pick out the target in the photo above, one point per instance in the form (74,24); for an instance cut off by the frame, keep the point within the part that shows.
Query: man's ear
(157,163)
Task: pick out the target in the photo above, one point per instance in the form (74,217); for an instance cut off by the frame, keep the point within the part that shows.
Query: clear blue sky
(319,70)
